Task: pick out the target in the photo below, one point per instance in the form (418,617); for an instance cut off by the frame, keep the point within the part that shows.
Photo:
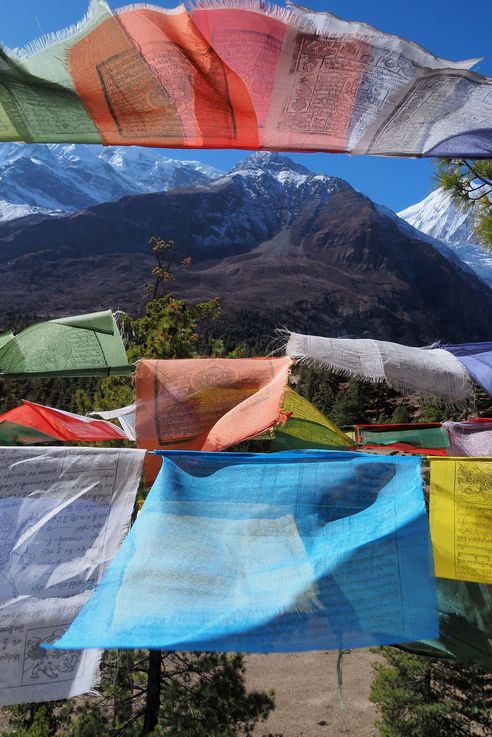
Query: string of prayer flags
(63,514)
(124,415)
(461,518)
(84,345)
(281,552)
(470,438)
(422,438)
(477,359)
(465,624)
(206,403)
(62,425)
(428,371)
(240,75)
(306,427)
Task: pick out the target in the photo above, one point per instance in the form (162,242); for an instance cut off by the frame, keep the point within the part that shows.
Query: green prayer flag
(306,427)
(429,437)
(84,345)
(465,624)
(13,434)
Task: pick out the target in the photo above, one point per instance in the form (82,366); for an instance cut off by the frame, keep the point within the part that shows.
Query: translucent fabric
(12,434)
(280,552)
(433,372)
(461,518)
(477,359)
(124,415)
(306,427)
(63,515)
(420,438)
(470,438)
(241,74)
(61,425)
(465,624)
(206,403)
(83,345)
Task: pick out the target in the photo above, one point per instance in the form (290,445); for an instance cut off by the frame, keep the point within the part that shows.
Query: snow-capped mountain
(300,248)
(9,211)
(439,217)
(262,194)
(58,178)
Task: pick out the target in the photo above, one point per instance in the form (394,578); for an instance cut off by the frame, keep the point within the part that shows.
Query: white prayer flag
(63,515)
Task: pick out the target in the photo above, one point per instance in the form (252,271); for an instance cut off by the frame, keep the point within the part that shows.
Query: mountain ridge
(271,239)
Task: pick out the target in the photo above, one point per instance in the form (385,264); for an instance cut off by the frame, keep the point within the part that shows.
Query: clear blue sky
(453,29)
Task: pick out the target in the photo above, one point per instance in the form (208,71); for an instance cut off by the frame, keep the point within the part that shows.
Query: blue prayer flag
(477,359)
(281,552)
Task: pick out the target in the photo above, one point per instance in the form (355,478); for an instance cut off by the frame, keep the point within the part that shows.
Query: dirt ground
(307,697)
(306,694)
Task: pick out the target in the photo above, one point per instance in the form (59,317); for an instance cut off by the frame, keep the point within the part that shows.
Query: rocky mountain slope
(278,243)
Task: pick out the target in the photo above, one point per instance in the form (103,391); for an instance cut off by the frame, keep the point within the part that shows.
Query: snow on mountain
(8,211)
(438,217)
(49,178)
(265,192)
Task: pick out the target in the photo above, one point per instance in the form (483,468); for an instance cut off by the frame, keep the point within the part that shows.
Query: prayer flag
(477,359)
(278,552)
(62,425)
(84,345)
(421,438)
(428,371)
(206,403)
(12,434)
(465,624)
(461,518)
(470,438)
(124,415)
(63,515)
(234,74)
(306,427)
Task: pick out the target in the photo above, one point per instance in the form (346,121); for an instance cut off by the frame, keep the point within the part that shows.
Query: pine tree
(470,184)
(421,697)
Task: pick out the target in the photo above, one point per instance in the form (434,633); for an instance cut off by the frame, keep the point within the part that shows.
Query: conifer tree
(419,696)
(470,185)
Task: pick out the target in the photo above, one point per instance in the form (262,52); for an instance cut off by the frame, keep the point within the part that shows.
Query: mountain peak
(270,161)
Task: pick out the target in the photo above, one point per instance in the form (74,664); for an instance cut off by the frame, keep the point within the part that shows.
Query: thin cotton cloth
(12,434)
(461,518)
(124,415)
(306,427)
(470,438)
(465,624)
(63,514)
(422,438)
(84,345)
(477,359)
(434,372)
(206,403)
(62,425)
(278,552)
(233,74)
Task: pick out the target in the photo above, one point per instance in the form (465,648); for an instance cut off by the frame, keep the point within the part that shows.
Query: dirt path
(307,699)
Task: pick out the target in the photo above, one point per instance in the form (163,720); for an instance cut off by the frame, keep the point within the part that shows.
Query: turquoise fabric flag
(282,552)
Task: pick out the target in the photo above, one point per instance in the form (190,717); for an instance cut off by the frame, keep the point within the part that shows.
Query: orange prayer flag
(206,403)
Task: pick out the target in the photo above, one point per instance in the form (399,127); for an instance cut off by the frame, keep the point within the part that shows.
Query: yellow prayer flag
(461,518)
